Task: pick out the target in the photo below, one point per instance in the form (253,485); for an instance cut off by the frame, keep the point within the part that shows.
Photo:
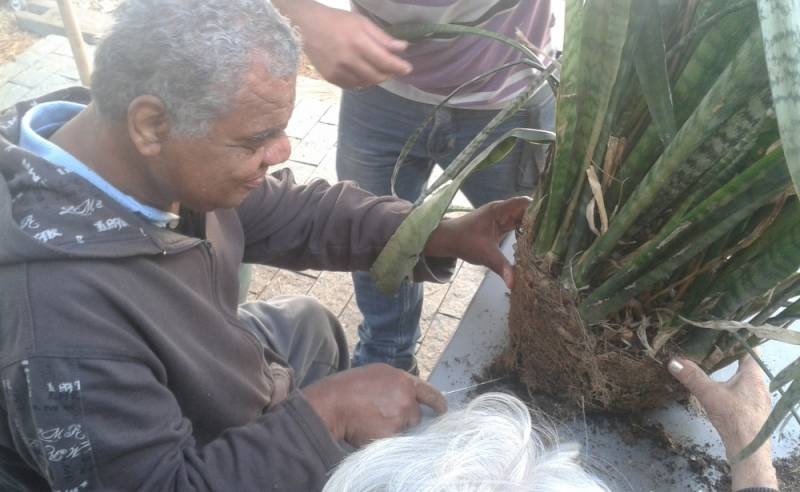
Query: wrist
(438,242)
(755,471)
(326,409)
(293,9)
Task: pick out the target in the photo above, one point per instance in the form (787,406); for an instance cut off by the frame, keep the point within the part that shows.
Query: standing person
(125,213)
(390,88)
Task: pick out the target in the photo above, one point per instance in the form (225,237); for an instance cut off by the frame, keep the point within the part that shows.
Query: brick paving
(48,65)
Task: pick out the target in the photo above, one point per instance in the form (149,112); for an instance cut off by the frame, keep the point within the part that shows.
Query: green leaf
(732,88)
(651,66)
(789,373)
(780,26)
(396,262)
(762,331)
(782,409)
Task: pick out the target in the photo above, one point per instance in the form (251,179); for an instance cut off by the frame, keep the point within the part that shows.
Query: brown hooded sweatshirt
(122,361)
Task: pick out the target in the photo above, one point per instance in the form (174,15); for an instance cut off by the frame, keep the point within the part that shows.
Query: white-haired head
(192,55)
(491,445)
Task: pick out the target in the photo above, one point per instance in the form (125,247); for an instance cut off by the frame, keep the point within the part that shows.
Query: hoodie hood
(47,212)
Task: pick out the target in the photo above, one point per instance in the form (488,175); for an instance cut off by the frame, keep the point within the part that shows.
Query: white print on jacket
(115,224)
(47,235)
(34,177)
(84,209)
(28,222)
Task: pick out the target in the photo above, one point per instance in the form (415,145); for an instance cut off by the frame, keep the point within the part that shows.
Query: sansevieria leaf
(780,26)
(398,258)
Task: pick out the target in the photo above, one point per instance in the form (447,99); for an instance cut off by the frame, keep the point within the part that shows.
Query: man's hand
(737,408)
(475,237)
(346,48)
(372,402)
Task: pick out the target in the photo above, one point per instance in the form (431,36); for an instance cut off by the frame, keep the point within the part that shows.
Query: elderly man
(124,217)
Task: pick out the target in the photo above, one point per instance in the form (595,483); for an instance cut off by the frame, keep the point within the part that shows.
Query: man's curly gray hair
(191,54)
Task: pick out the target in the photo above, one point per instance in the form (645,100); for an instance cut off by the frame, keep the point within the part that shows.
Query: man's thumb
(500,265)
(689,374)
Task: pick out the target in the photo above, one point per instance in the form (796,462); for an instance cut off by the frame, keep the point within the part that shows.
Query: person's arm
(737,408)
(346,48)
(342,227)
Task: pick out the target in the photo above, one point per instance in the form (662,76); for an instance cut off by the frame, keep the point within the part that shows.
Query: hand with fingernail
(737,409)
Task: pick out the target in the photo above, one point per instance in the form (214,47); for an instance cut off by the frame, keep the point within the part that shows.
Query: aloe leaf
(780,26)
(415,31)
(651,66)
(676,230)
(789,373)
(735,85)
(719,153)
(791,313)
(463,158)
(781,410)
(712,55)
(396,261)
(708,222)
(732,289)
(412,139)
(564,169)
(762,331)
(786,221)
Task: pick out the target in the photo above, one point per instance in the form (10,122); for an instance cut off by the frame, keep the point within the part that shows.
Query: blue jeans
(374,124)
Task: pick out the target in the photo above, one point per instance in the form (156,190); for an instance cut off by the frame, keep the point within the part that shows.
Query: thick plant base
(552,352)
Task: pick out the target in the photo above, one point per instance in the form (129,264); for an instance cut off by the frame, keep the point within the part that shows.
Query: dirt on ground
(711,472)
(554,353)
(12,40)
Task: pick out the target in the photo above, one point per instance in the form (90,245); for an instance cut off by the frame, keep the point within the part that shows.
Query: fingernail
(674,366)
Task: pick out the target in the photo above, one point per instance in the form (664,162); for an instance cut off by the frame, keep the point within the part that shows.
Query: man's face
(221,168)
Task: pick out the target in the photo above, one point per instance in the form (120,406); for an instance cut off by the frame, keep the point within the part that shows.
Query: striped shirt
(441,65)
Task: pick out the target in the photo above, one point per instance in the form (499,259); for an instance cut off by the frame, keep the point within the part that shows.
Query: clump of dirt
(554,353)
(789,472)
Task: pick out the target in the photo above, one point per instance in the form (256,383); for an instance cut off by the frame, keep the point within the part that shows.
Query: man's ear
(148,124)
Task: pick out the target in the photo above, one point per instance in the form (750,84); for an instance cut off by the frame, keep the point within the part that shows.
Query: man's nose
(277,152)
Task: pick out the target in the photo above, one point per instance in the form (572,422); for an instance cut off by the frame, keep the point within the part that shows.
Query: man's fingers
(691,376)
(498,263)
(380,36)
(511,212)
(383,60)
(428,395)
(508,275)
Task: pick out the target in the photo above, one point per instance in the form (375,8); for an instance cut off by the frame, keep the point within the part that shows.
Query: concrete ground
(48,65)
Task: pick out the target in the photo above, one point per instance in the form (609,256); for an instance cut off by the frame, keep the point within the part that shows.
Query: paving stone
(51,84)
(316,145)
(287,283)
(331,116)
(33,75)
(306,114)
(434,342)
(300,171)
(434,294)
(327,168)
(62,65)
(350,319)
(64,49)
(462,290)
(262,275)
(10,94)
(28,58)
(10,70)
(48,44)
(334,290)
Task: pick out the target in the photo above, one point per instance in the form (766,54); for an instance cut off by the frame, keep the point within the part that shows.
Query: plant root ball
(552,352)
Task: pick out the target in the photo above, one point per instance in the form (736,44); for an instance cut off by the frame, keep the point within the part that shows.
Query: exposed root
(553,352)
